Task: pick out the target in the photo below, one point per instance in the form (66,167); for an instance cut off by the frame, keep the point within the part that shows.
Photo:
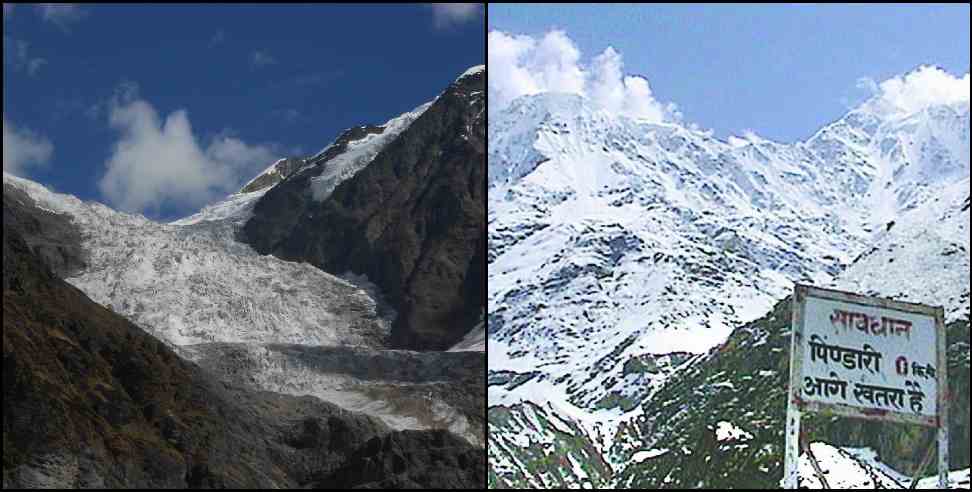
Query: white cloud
(520,65)
(261,58)
(451,14)
(556,61)
(159,162)
(916,90)
(17,55)
(23,149)
(509,75)
(63,15)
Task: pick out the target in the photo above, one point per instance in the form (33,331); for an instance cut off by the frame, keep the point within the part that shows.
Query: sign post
(866,358)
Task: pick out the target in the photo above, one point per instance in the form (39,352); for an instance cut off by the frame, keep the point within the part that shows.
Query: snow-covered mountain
(194,284)
(612,240)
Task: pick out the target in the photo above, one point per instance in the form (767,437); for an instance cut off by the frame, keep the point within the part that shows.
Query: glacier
(194,285)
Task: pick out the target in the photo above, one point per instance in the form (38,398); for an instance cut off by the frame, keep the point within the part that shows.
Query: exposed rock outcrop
(413,220)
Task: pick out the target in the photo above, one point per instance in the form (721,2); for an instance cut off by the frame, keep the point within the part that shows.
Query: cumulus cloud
(261,58)
(451,14)
(921,88)
(159,162)
(63,15)
(23,149)
(521,65)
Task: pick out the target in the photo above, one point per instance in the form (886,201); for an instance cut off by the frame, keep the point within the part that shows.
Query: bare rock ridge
(278,172)
(412,220)
(50,236)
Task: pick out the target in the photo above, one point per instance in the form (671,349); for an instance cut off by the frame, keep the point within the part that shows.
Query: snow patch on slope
(474,341)
(360,153)
(922,257)
(860,468)
(235,209)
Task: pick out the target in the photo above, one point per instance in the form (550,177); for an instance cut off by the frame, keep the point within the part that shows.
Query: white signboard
(866,358)
(872,361)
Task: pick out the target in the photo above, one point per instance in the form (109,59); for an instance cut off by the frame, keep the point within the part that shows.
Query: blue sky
(254,81)
(782,71)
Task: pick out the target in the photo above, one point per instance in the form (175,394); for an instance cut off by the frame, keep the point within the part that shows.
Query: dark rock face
(409,459)
(91,400)
(52,237)
(341,143)
(279,211)
(413,221)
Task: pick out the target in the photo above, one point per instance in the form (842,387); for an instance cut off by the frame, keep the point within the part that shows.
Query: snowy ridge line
(359,153)
(472,71)
(271,168)
(236,208)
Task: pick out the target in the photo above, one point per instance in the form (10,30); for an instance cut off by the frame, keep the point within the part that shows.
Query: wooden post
(791,463)
(921,468)
(805,444)
(943,401)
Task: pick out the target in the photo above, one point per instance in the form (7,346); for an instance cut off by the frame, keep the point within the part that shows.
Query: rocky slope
(91,400)
(535,447)
(408,390)
(400,460)
(407,202)
(49,236)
